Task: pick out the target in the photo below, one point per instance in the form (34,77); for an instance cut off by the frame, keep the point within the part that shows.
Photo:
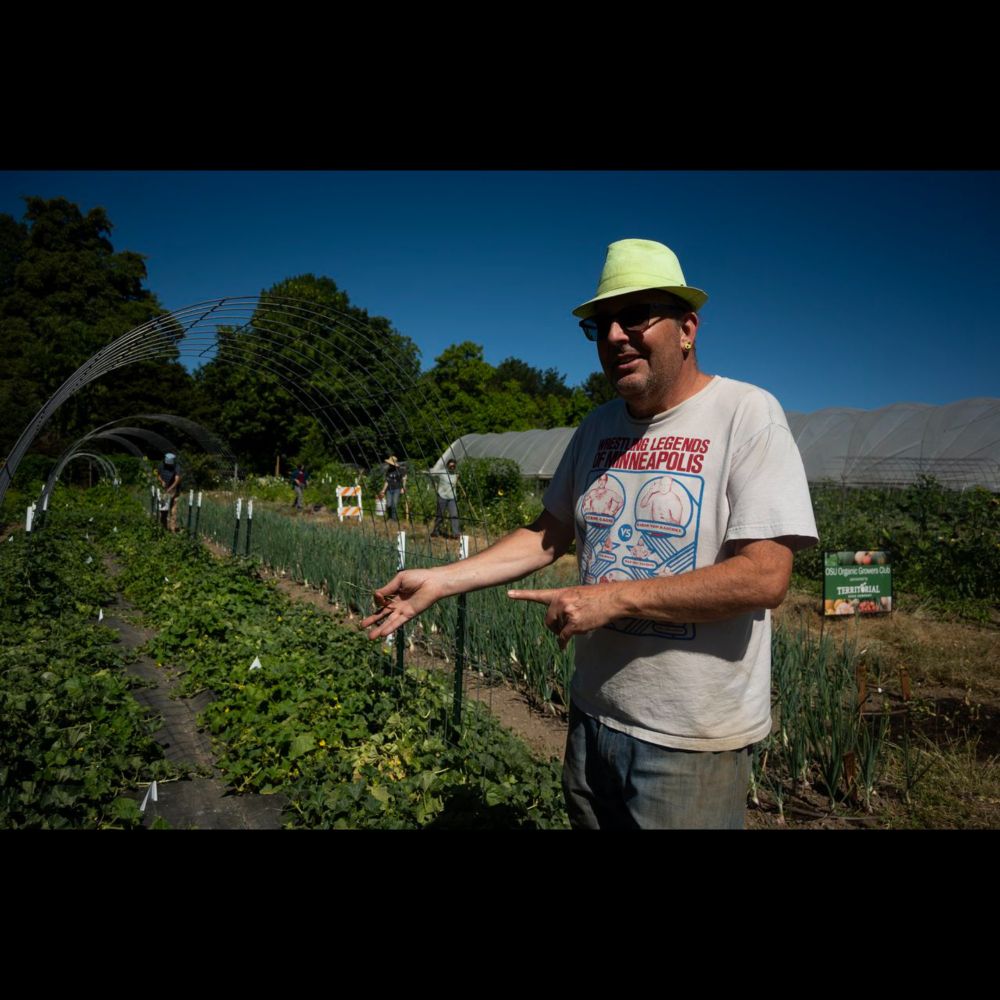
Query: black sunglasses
(637,318)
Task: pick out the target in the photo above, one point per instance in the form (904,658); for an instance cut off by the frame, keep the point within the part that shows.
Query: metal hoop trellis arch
(107,467)
(119,433)
(302,344)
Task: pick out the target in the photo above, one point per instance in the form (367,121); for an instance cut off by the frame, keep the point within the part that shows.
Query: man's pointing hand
(571,610)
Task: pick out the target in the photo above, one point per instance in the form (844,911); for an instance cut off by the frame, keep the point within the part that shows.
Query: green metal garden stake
(42,514)
(197,513)
(236,530)
(463,553)
(190,507)
(400,636)
(456,710)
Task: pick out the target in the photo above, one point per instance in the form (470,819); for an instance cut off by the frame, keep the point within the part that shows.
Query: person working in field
(169,476)
(446,486)
(687,498)
(395,487)
(300,480)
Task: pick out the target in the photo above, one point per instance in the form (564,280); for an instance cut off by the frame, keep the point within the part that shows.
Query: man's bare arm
(756,576)
(516,555)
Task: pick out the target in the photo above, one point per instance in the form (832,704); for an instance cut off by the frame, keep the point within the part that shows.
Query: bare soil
(199,799)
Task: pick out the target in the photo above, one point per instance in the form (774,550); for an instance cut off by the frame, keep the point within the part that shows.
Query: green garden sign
(857,583)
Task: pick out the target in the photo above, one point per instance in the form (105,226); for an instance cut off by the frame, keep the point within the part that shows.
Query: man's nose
(616,334)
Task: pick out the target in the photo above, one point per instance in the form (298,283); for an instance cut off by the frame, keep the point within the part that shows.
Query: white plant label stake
(150,795)
(463,547)
(29,518)
(100,614)
(256,665)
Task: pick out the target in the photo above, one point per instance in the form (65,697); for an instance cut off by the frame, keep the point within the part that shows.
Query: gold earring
(686,345)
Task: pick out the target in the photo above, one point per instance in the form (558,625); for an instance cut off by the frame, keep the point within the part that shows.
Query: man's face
(642,367)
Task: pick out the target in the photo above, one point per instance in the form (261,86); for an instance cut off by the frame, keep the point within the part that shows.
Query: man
(672,622)
(447,504)
(169,475)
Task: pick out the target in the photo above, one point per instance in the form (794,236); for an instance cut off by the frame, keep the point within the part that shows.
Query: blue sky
(827,288)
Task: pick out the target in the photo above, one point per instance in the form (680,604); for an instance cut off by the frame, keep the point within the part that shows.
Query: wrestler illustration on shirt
(639,550)
(664,501)
(603,497)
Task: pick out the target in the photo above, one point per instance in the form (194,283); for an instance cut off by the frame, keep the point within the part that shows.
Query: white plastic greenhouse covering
(536,452)
(958,444)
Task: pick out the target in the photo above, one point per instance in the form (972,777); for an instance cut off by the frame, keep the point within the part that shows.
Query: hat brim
(694,297)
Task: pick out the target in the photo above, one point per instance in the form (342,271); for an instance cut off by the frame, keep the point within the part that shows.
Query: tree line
(65,293)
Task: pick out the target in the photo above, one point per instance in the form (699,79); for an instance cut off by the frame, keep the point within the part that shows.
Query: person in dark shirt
(299,481)
(395,487)
(169,475)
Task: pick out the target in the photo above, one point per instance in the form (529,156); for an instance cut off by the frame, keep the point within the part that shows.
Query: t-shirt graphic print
(640,527)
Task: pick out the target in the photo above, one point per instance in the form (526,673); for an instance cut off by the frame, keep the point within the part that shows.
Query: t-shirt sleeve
(768,492)
(559,498)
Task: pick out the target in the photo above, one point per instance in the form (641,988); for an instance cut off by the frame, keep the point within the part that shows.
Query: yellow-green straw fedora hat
(638,266)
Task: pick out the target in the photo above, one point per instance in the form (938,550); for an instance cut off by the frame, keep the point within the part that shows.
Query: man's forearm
(756,576)
(412,591)
(512,557)
(713,593)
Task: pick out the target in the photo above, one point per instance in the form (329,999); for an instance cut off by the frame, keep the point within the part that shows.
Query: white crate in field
(353,493)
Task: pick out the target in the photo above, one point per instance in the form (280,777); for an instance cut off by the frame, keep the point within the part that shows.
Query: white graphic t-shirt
(665,496)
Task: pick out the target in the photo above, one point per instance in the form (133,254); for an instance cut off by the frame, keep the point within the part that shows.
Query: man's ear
(688,327)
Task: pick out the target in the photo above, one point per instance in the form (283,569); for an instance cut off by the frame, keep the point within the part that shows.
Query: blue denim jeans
(613,781)
(392,504)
